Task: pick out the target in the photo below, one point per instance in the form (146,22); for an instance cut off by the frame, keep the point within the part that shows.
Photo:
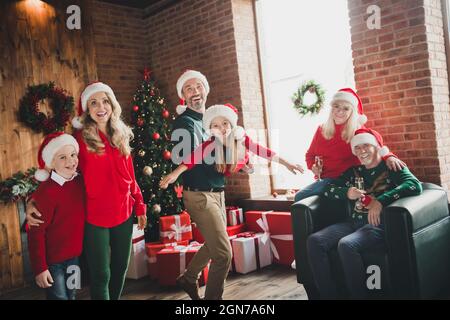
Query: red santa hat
(91,89)
(51,144)
(229,112)
(369,136)
(187,75)
(350,96)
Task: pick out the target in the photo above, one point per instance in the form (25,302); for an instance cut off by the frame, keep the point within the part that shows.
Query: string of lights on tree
(152,158)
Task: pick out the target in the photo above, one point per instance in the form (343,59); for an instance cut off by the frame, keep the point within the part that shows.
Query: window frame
(445,7)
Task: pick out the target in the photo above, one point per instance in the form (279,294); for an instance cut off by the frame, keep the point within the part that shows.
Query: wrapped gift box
(250,252)
(137,266)
(235,216)
(152,248)
(175,228)
(171,262)
(277,227)
(231,230)
(196,234)
(234,230)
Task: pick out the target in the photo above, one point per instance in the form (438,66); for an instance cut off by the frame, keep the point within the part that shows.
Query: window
(299,41)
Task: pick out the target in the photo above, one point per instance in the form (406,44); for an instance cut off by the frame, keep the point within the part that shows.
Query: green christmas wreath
(298,98)
(60,102)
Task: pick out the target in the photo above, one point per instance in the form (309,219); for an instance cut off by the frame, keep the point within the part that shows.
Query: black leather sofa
(417,262)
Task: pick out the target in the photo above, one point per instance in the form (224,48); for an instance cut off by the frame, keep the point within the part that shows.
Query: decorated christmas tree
(152,158)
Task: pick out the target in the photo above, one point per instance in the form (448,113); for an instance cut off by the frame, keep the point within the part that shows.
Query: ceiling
(134,3)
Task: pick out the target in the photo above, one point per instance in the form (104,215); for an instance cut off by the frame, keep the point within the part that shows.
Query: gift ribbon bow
(177,228)
(262,223)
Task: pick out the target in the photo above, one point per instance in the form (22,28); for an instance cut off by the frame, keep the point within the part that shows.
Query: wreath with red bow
(61,103)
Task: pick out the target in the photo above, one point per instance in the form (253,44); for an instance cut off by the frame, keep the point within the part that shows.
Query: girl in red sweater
(55,245)
(112,193)
(331,142)
(228,148)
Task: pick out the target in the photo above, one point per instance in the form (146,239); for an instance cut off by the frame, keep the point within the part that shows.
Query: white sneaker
(293,265)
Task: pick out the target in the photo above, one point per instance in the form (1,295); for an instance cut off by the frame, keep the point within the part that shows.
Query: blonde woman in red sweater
(112,193)
(331,143)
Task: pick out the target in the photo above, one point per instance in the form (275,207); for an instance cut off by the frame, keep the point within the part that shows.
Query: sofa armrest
(308,216)
(417,240)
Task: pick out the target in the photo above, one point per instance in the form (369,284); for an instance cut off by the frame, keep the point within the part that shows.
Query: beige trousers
(207,210)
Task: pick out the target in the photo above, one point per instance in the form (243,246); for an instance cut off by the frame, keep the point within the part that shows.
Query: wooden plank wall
(35,47)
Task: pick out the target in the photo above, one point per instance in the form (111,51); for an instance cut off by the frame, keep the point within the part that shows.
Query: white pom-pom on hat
(239,133)
(76,122)
(41,175)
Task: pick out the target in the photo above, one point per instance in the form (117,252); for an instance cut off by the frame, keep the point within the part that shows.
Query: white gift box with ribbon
(235,216)
(137,267)
(250,252)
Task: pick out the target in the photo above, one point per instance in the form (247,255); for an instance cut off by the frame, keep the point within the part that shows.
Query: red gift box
(277,228)
(175,228)
(234,230)
(235,215)
(231,230)
(171,262)
(196,234)
(152,248)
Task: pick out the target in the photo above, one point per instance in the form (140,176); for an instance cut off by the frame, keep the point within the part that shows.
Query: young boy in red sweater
(55,245)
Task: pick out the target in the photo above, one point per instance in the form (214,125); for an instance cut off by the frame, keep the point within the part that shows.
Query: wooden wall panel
(35,47)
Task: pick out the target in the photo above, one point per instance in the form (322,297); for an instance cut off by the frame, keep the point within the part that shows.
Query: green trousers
(107,253)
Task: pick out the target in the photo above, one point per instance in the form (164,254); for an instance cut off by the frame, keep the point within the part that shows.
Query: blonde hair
(118,133)
(235,152)
(329,127)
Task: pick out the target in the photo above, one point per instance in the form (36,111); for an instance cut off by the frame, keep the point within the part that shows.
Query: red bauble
(152,92)
(156,136)
(165,114)
(167,155)
(135,108)
(140,122)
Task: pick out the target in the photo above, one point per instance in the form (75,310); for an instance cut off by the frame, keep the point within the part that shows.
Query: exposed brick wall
(119,36)
(401,76)
(217,38)
(250,86)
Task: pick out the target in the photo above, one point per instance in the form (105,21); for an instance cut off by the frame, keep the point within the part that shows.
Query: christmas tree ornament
(165,114)
(155,136)
(156,208)
(140,122)
(147,73)
(135,108)
(161,101)
(166,155)
(141,153)
(147,171)
(179,190)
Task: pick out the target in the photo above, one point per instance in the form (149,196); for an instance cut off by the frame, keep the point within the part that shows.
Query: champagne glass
(359,184)
(318,160)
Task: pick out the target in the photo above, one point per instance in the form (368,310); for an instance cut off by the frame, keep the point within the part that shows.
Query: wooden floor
(271,283)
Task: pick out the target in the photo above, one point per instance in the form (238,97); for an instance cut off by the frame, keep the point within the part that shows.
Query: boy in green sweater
(370,186)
